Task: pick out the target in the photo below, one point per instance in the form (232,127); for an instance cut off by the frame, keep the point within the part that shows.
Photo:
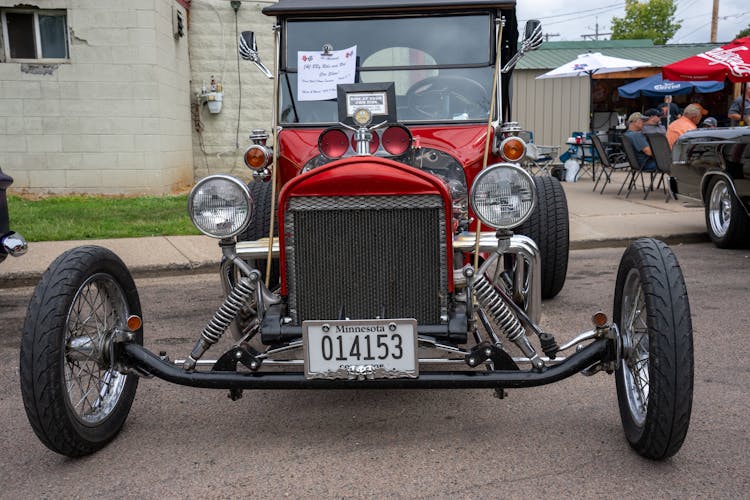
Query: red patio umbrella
(728,61)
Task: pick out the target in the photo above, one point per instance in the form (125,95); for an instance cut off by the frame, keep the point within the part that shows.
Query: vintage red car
(390,239)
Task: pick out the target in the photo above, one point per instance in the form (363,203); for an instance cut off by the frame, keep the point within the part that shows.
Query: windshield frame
(285,70)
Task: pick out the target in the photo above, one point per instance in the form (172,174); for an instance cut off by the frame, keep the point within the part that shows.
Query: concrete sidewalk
(595,221)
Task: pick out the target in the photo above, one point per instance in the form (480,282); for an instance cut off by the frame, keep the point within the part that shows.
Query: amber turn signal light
(512,149)
(134,323)
(257,157)
(599,319)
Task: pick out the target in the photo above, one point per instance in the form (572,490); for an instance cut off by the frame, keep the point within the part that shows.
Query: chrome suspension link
(223,317)
(494,305)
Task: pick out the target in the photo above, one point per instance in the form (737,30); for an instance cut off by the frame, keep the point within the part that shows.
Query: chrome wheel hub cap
(720,208)
(93,387)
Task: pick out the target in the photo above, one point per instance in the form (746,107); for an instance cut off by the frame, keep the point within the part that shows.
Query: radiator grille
(366,256)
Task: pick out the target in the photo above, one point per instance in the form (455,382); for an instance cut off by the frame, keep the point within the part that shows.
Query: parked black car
(713,166)
(11,243)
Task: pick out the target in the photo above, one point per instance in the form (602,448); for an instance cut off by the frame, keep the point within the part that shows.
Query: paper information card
(318,73)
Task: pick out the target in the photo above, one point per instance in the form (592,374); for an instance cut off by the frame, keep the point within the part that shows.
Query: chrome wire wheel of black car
(655,375)
(75,399)
(726,220)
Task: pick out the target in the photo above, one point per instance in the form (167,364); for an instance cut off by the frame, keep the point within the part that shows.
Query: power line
(596,33)
(579,17)
(578,12)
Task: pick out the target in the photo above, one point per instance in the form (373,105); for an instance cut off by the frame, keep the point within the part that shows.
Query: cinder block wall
(115,118)
(222,139)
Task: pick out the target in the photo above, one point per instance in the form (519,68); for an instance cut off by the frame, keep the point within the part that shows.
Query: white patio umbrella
(587,65)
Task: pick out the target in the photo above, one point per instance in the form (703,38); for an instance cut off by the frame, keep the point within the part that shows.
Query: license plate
(360,349)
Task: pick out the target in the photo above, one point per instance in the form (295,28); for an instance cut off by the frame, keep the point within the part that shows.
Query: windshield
(441,66)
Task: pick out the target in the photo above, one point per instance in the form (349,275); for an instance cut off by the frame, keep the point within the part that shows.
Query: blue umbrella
(655,86)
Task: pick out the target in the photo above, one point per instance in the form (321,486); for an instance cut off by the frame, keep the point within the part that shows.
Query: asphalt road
(563,439)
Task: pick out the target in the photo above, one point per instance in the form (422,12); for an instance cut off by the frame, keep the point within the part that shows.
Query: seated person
(653,122)
(640,144)
(689,120)
(739,110)
(709,122)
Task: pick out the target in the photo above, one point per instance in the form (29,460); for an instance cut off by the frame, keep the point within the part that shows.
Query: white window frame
(37,36)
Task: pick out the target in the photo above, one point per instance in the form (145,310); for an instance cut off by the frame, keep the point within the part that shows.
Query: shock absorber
(494,305)
(223,317)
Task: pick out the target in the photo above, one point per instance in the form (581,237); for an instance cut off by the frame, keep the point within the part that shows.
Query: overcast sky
(573,18)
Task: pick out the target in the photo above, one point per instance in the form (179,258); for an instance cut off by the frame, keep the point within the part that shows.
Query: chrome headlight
(220,206)
(503,196)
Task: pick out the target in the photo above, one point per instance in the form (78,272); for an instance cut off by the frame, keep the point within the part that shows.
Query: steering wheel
(445,97)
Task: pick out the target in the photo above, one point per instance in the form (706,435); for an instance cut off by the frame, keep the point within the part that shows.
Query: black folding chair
(663,157)
(608,166)
(636,170)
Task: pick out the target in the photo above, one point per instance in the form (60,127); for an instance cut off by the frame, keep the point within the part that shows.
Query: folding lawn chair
(663,157)
(636,170)
(609,166)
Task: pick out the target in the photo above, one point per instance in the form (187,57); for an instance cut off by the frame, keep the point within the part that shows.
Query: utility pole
(714,20)
(596,33)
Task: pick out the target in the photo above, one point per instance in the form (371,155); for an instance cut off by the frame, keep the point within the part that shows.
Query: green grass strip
(97,217)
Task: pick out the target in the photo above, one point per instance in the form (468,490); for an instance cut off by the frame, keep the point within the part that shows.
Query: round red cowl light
(333,143)
(396,140)
(374,143)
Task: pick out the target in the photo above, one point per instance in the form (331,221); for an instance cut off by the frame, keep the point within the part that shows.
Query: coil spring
(226,313)
(495,306)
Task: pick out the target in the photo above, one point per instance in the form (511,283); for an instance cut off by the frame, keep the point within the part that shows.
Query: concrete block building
(94,95)
(112,96)
(220,139)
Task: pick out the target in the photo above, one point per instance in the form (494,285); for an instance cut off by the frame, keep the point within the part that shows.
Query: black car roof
(285,7)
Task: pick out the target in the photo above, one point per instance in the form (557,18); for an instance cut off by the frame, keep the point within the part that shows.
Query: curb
(21,279)
(674,239)
(16,280)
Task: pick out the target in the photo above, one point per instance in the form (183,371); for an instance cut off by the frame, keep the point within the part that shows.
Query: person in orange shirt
(689,120)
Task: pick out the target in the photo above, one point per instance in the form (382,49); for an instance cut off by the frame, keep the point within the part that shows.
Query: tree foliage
(652,19)
(744,33)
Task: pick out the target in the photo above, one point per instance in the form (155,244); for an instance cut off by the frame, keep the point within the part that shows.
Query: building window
(38,34)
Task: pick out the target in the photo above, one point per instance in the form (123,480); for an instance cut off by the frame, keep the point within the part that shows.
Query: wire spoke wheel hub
(636,348)
(93,386)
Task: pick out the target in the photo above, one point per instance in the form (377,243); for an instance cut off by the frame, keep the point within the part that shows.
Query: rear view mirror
(532,39)
(532,36)
(248,47)
(248,50)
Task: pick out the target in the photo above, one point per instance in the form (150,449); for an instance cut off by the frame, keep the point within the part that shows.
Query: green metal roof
(553,54)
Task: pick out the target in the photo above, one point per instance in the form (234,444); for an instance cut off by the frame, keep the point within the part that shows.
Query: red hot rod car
(390,239)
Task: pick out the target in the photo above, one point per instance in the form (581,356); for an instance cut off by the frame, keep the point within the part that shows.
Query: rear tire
(259,227)
(655,376)
(75,400)
(726,220)
(549,227)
